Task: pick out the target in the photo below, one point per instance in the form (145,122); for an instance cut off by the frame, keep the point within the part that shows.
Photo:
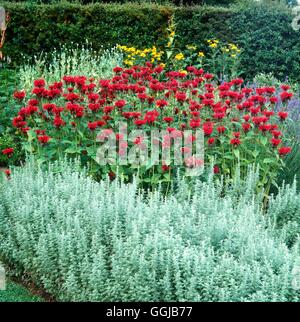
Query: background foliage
(263,30)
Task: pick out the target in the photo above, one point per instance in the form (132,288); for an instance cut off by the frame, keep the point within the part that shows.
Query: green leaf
(236,152)
(72,150)
(31,135)
(264,140)
(268,160)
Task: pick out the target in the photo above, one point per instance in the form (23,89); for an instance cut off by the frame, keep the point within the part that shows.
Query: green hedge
(264,31)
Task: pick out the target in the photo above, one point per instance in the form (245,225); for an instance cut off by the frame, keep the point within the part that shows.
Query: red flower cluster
(146,97)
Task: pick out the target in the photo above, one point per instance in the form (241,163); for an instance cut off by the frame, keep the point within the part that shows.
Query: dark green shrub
(263,30)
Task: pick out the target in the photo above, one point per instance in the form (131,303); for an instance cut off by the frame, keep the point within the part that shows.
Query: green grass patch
(17,293)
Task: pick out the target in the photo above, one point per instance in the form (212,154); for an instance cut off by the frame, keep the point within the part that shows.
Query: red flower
(117,69)
(285,96)
(216,169)
(19,95)
(9,152)
(181,97)
(285,87)
(120,103)
(221,129)
(140,122)
(275,142)
(208,128)
(284,150)
(161,103)
(168,119)
(283,115)
(273,100)
(246,117)
(246,127)
(211,141)
(7,172)
(138,140)
(195,123)
(33,102)
(43,139)
(92,125)
(237,134)
(235,142)
(108,109)
(276,133)
(58,122)
(165,168)
(39,83)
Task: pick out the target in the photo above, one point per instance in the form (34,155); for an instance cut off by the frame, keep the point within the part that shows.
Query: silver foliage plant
(87,241)
(70,60)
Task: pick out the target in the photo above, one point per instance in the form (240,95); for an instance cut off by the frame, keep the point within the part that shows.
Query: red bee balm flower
(285,96)
(19,95)
(9,152)
(284,150)
(221,129)
(246,127)
(165,168)
(161,103)
(235,142)
(92,125)
(283,115)
(211,141)
(39,83)
(275,142)
(216,169)
(43,139)
(7,173)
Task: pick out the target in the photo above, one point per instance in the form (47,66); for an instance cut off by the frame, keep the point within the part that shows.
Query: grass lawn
(17,293)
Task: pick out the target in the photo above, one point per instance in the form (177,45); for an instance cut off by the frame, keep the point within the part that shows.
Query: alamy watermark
(148,148)
(296,20)
(2,279)
(296,278)
(2,18)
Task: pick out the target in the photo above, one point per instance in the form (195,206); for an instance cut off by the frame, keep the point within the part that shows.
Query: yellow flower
(162,65)
(213,45)
(172,34)
(142,54)
(179,56)
(183,71)
(233,55)
(201,54)
(128,62)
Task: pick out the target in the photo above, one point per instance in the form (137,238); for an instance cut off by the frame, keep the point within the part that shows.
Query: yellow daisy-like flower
(233,55)
(162,65)
(213,45)
(128,62)
(183,71)
(179,56)
(201,54)
(172,33)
